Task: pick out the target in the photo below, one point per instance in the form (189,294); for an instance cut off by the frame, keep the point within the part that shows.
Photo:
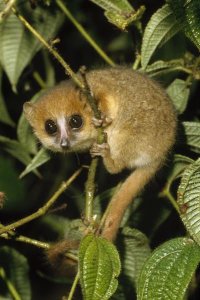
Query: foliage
(166,43)
(169,270)
(95,256)
(15,273)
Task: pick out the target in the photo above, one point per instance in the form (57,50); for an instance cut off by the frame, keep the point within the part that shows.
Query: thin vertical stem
(84,33)
(90,190)
(9,285)
(74,285)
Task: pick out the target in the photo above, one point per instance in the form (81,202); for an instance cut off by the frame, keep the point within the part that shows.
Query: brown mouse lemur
(139,136)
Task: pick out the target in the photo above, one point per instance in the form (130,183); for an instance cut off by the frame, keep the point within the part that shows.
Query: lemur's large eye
(75,121)
(51,127)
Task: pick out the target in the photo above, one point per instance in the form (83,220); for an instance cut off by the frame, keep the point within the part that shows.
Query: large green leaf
(188,17)
(4,115)
(120,12)
(192,134)
(17,44)
(167,273)
(189,199)
(179,92)
(16,270)
(161,27)
(99,266)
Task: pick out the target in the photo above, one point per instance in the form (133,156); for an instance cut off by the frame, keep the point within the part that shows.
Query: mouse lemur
(141,132)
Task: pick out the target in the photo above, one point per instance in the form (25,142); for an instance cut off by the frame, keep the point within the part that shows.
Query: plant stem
(90,190)
(10,286)
(137,62)
(166,193)
(7,9)
(39,80)
(41,211)
(33,242)
(51,49)
(74,285)
(26,240)
(90,183)
(84,33)
(173,201)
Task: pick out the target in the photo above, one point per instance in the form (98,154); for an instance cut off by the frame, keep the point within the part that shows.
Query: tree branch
(90,183)
(42,210)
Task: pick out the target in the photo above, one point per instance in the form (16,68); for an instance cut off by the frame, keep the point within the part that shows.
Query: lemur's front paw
(104,121)
(99,149)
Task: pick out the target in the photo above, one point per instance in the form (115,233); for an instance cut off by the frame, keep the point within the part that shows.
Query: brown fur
(141,133)
(2,198)
(58,259)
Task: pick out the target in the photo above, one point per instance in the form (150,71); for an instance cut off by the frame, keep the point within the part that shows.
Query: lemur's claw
(99,149)
(103,121)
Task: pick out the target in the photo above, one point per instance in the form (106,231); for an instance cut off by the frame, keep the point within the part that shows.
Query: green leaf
(188,18)
(180,162)
(135,251)
(18,45)
(161,27)
(189,199)
(179,92)
(39,159)
(162,67)
(167,273)
(118,6)
(16,149)
(120,12)
(16,270)
(99,266)
(4,115)
(192,135)
(25,135)
(24,132)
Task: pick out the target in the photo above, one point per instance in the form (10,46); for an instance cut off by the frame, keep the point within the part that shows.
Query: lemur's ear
(28,109)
